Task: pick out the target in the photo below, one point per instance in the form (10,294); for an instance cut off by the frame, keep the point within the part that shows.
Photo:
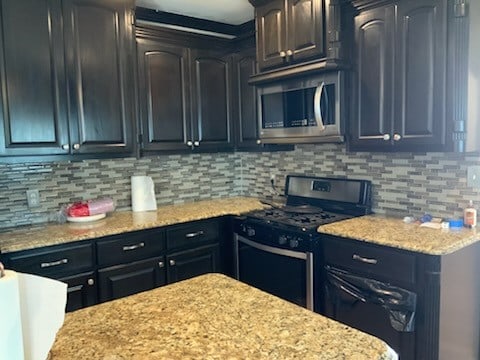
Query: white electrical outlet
(33,198)
(473,176)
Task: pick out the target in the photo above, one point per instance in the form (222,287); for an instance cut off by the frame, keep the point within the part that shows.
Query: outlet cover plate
(33,198)
(473,177)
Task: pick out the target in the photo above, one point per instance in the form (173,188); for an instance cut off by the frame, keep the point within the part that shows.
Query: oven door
(285,273)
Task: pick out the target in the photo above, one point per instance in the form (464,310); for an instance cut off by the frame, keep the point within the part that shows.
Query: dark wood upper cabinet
(212,100)
(400,78)
(289,31)
(33,114)
(66,77)
(99,37)
(163,72)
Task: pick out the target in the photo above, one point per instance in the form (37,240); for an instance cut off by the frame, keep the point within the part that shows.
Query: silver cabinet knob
(91,282)
(161,264)
(386,137)
(397,137)
(196,143)
(65,146)
(172,262)
(259,142)
(76,146)
(189,143)
(289,52)
(283,54)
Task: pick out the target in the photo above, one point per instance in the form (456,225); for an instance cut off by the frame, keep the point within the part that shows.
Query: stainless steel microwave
(304,110)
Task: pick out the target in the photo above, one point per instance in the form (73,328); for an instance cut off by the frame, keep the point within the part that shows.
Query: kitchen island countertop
(209,317)
(35,236)
(393,232)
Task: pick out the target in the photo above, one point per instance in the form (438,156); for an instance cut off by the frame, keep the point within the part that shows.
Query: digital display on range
(322,186)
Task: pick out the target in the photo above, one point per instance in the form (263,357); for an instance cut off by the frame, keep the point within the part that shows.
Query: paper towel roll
(143,194)
(32,311)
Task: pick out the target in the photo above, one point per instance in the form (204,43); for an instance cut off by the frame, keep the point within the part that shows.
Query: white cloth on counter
(143,194)
(32,311)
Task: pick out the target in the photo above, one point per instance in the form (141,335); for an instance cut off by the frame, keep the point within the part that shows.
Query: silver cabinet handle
(172,262)
(196,143)
(161,264)
(195,234)
(66,147)
(289,52)
(386,137)
(134,247)
(283,54)
(54,263)
(91,282)
(76,146)
(364,260)
(259,142)
(189,143)
(397,137)
(317,106)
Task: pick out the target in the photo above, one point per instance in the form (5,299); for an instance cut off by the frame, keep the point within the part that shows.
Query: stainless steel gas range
(275,249)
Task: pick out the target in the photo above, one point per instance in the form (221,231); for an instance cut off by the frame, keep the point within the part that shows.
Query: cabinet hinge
(460,8)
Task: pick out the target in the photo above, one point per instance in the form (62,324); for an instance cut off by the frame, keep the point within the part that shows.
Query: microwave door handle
(317,105)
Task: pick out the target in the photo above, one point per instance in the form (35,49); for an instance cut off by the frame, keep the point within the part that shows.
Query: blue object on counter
(455,223)
(426,218)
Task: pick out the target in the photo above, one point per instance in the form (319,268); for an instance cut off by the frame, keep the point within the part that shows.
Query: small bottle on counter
(470,216)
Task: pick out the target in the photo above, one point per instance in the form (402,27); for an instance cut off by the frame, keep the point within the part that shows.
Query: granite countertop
(36,236)
(209,317)
(395,233)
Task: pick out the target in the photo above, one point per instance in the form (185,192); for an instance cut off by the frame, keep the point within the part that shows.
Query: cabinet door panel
(124,280)
(191,263)
(271,33)
(373,114)
(99,36)
(81,291)
(421,69)
(33,108)
(163,74)
(305,28)
(212,98)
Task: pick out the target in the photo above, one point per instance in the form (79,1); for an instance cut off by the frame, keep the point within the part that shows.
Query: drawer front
(130,247)
(56,262)
(192,234)
(376,261)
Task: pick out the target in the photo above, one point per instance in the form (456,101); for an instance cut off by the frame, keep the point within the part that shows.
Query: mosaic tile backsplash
(403,183)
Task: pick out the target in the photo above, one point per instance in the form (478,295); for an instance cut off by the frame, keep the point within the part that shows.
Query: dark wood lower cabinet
(81,291)
(123,280)
(186,264)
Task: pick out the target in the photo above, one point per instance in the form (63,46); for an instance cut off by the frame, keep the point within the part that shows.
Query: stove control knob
(282,239)
(293,243)
(250,231)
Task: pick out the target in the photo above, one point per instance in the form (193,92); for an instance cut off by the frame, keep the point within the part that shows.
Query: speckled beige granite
(208,317)
(395,233)
(119,222)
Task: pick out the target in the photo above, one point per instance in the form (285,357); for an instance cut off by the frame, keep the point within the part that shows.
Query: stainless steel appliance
(275,248)
(303,110)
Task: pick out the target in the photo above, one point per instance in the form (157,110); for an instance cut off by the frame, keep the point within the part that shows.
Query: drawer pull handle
(54,263)
(364,260)
(172,262)
(195,234)
(161,264)
(134,247)
(91,282)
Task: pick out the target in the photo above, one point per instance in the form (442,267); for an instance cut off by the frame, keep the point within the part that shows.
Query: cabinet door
(163,95)
(421,39)
(81,291)
(190,263)
(372,117)
(99,41)
(271,22)
(33,115)
(246,127)
(123,280)
(211,76)
(306,31)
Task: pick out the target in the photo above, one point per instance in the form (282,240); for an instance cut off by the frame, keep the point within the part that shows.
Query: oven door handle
(273,250)
(317,106)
